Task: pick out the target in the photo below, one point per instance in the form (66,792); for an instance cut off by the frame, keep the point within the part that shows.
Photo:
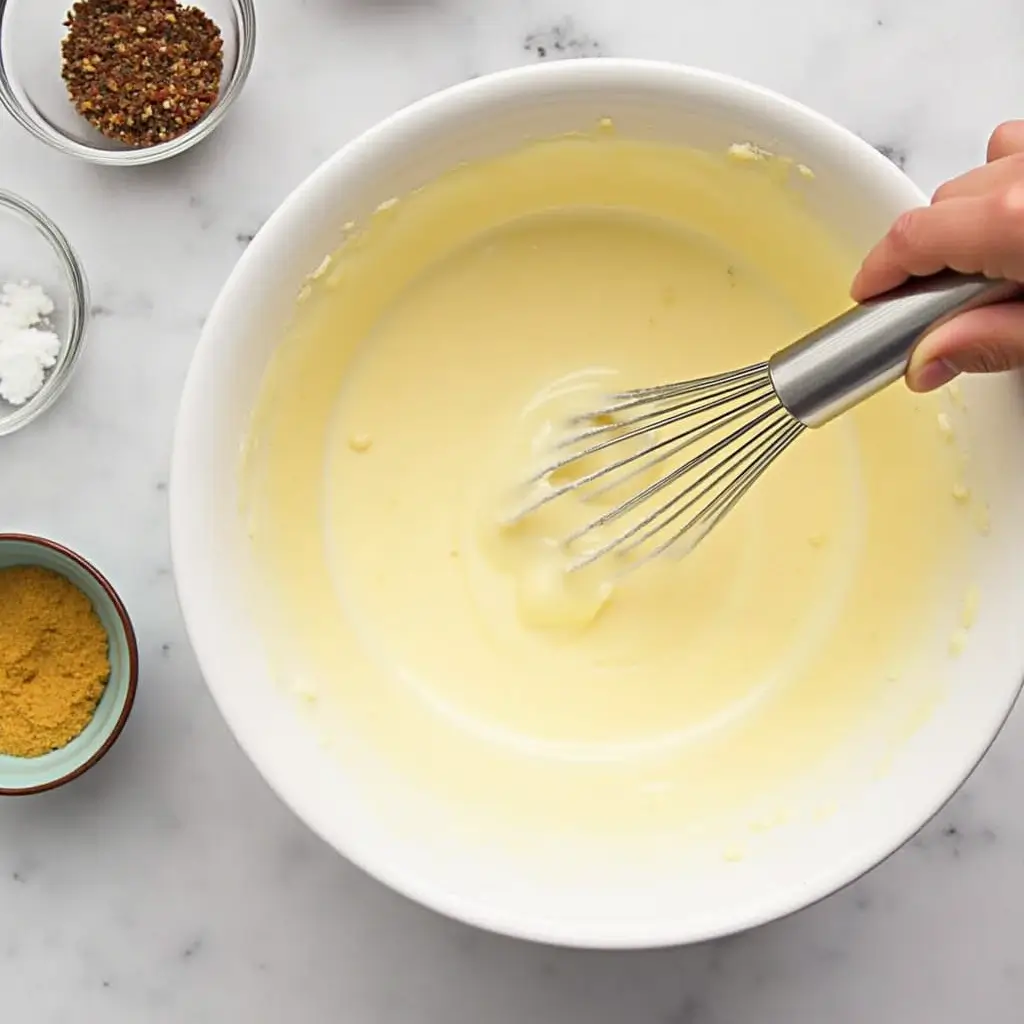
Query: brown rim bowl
(23,776)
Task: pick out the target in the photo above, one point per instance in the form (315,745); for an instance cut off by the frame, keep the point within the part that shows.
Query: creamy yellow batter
(428,363)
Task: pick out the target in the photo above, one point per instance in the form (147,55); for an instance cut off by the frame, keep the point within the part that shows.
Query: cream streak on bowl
(443,654)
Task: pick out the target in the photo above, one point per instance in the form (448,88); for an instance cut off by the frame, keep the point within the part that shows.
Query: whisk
(713,438)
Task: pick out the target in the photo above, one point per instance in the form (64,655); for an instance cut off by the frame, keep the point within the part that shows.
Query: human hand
(975,224)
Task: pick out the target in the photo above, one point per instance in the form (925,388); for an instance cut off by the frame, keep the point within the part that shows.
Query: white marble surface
(169,885)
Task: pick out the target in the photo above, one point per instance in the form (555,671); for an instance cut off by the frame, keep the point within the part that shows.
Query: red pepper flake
(141,72)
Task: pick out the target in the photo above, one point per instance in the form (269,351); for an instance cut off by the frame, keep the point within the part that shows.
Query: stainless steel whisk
(719,434)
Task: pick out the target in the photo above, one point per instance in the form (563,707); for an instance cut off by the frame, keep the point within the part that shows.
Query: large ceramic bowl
(856,193)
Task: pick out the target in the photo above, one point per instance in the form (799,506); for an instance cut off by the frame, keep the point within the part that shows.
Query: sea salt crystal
(28,346)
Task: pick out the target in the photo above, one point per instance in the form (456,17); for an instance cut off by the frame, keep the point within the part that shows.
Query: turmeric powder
(54,661)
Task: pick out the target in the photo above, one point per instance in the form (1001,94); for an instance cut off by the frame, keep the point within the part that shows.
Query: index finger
(965,234)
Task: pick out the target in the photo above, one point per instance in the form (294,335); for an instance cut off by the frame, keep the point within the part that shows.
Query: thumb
(986,340)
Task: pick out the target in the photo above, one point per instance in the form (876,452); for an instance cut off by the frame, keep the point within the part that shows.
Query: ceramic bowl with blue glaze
(20,776)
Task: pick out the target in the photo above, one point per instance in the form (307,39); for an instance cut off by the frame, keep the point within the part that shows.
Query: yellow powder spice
(54,661)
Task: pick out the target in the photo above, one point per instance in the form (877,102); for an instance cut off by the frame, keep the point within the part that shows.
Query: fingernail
(932,375)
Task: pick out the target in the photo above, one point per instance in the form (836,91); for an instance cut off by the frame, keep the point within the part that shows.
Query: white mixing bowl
(857,193)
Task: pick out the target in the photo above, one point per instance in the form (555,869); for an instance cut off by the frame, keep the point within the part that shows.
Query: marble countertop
(170,885)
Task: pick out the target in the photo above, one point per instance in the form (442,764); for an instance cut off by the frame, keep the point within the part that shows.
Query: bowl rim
(133,661)
(245,18)
(78,292)
(185,473)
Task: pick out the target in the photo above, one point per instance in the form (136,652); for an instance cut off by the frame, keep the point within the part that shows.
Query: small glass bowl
(33,249)
(32,89)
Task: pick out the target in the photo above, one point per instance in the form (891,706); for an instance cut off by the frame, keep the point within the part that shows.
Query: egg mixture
(429,361)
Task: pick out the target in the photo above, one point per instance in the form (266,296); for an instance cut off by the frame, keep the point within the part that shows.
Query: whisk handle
(868,347)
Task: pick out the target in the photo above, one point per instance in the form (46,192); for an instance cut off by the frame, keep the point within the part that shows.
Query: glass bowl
(33,91)
(33,249)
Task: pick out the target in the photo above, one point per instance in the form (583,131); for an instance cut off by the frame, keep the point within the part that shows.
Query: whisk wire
(723,430)
(725,469)
(732,392)
(733,470)
(724,444)
(655,453)
(664,391)
(712,514)
(686,440)
(624,435)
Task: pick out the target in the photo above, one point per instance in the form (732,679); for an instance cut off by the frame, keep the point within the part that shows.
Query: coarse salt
(28,347)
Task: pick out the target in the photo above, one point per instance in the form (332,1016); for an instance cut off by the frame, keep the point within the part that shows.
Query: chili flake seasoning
(141,72)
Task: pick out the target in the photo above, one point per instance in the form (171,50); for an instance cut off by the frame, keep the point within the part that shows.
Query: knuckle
(944,191)
(905,232)
(1011,204)
(991,357)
